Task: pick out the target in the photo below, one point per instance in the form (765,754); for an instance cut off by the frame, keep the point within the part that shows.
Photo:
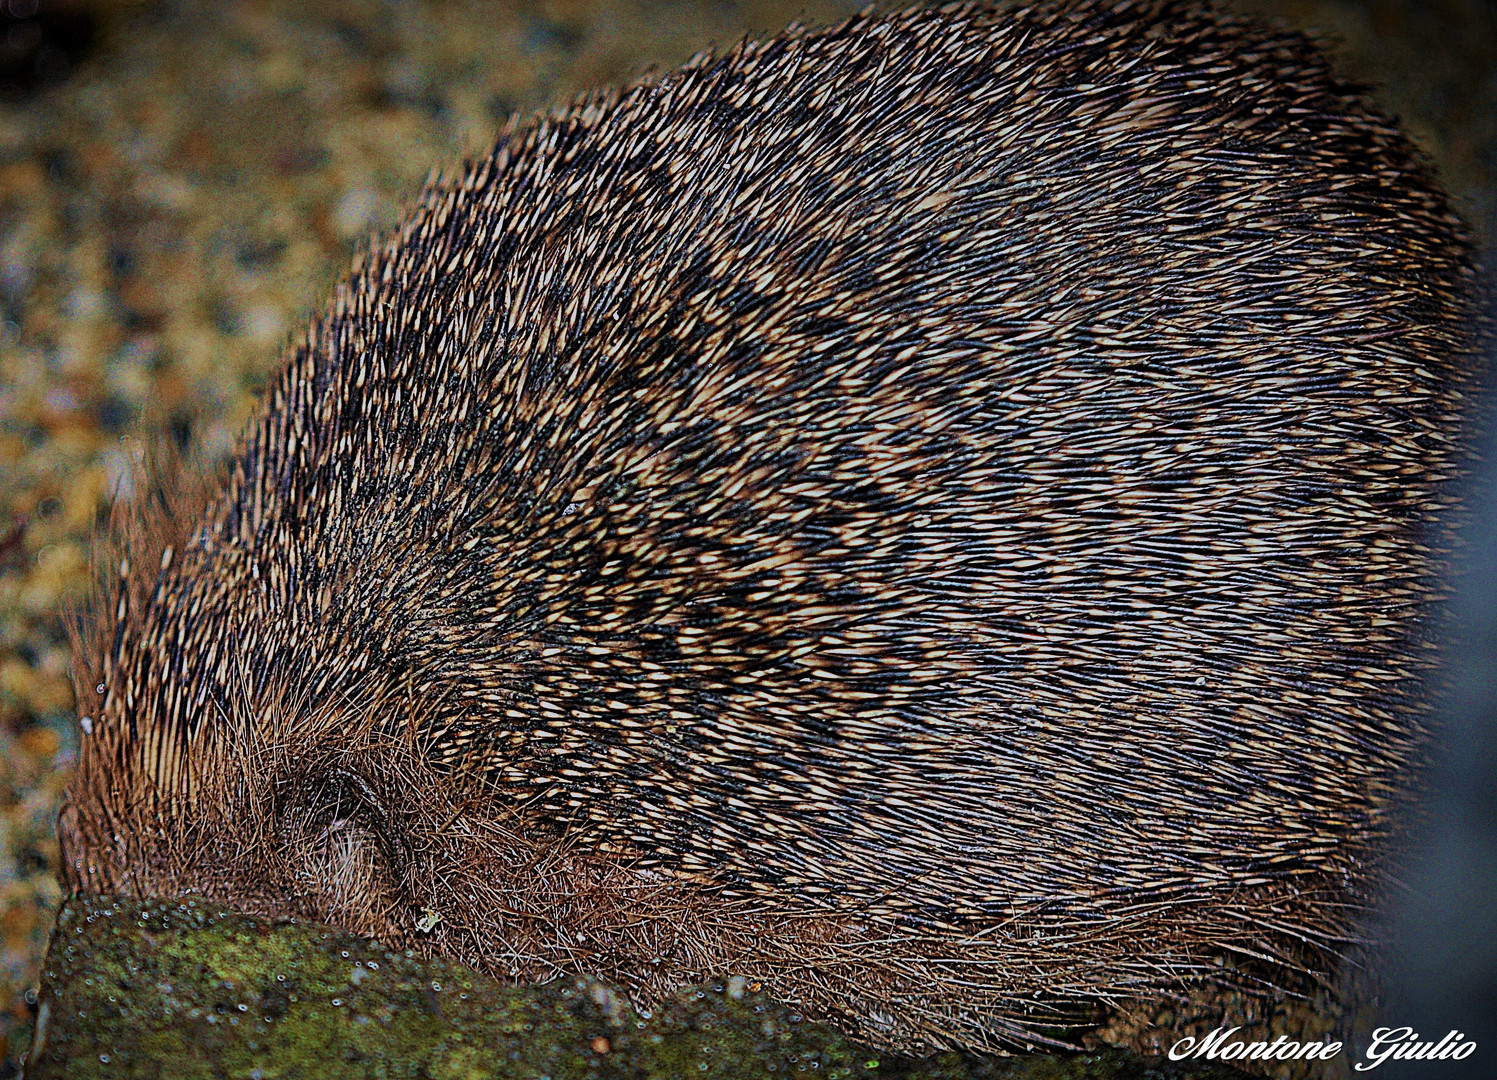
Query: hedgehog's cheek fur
(363,832)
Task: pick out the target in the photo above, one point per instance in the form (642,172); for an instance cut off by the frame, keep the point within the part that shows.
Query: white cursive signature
(1400,1044)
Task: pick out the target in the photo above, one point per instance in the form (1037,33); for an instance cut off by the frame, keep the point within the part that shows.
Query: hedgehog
(941,516)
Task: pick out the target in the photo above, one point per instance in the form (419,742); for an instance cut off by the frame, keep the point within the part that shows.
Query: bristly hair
(158,502)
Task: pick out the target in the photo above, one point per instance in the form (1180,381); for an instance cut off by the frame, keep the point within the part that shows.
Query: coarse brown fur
(934,513)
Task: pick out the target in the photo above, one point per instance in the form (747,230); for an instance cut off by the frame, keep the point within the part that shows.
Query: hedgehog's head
(208,766)
(209,762)
(293,809)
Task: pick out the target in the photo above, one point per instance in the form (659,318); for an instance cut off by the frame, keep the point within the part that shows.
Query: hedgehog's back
(944,491)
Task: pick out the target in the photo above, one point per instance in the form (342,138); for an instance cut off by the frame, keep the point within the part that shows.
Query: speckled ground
(172,210)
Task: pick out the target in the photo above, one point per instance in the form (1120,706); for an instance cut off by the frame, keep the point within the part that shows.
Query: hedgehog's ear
(337,795)
(70,876)
(344,845)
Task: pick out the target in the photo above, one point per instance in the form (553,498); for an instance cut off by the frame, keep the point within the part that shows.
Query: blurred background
(181,181)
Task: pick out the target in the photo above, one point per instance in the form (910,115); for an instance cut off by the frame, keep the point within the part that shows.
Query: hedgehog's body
(930,512)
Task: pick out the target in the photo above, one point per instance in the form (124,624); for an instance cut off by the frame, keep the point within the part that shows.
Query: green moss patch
(186,989)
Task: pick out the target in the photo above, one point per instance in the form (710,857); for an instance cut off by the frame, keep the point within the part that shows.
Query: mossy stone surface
(183,988)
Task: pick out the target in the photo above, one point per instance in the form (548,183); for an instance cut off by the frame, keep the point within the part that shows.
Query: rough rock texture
(187,990)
